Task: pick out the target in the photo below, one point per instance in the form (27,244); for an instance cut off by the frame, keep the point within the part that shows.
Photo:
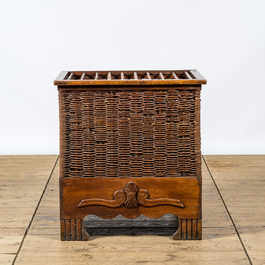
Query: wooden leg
(73,230)
(189,229)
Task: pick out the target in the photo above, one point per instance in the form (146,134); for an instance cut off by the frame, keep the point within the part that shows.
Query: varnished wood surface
(240,185)
(115,139)
(133,77)
(103,189)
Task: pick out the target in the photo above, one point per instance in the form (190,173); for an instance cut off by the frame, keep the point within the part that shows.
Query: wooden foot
(73,230)
(189,229)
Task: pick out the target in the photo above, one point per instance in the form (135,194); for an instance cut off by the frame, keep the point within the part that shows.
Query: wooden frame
(130,145)
(98,198)
(179,77)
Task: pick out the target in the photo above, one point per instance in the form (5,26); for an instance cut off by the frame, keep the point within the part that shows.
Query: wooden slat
(194,230)
(70,76)
(122,76)
(63,229)
(109,76)
(73,230)
(188,75)
(148,75)
(68,229)
(161,76)
(79,229)
(184,229)
(61,76)
(197,75)
(199,226)
(189,229)
(175,76)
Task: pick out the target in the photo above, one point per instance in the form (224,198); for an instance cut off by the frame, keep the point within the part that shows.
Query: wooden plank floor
(233,219)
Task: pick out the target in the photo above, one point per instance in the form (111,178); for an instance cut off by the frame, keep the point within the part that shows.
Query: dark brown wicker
(130,124)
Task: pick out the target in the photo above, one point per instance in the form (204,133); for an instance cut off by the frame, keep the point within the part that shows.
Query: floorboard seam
(234,225)
(26,232)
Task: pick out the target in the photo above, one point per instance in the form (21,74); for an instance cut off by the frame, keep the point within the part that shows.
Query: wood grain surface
(131,78)
(74,190)
(38,242)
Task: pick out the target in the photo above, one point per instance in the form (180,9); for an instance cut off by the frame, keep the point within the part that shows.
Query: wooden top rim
(93,78)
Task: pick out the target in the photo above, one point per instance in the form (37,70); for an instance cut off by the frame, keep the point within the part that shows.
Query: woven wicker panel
(130,133)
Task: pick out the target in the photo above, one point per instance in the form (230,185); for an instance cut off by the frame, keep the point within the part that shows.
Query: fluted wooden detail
(189,229)
(73,230)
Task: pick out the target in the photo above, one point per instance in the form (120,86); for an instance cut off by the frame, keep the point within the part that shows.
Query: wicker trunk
(130,145)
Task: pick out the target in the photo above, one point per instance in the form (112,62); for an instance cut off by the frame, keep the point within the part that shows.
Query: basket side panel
(143,133)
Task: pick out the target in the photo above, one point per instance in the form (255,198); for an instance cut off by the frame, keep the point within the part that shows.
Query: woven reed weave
(132,133)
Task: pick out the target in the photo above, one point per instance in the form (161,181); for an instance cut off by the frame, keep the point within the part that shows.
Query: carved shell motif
(131,196)
(130,191)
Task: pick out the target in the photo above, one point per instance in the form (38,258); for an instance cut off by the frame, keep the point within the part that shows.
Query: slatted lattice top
(185,77)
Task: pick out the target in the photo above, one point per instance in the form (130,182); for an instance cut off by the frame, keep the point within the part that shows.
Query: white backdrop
(224,40)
